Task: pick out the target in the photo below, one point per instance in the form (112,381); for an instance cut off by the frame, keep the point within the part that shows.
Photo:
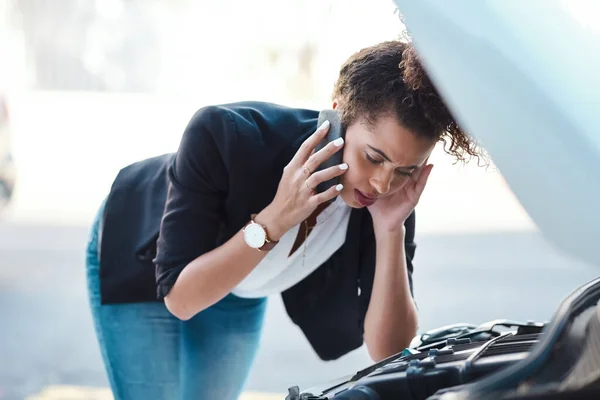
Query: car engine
(500,359)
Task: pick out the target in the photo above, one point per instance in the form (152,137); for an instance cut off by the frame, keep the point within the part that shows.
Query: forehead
(403,146)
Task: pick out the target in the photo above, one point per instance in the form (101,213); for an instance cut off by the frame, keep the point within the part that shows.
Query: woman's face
(381,159)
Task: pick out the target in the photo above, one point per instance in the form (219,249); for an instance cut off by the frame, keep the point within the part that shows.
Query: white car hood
(524,78)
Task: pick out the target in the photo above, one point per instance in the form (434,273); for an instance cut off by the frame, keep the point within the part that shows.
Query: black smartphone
(336,130)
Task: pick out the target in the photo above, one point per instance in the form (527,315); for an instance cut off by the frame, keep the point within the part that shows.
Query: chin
(347,196)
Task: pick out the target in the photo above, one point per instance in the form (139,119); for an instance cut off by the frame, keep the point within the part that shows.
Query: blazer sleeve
(367,264)
(197,190)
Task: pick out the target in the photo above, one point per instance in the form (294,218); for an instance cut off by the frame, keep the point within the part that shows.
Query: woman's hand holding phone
(297,198)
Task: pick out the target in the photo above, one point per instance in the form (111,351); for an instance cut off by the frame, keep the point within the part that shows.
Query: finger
(310,190)
(326,195)
(417,173)
(324,175)
(320,156)
(307,147)
(414,177)
(424,176)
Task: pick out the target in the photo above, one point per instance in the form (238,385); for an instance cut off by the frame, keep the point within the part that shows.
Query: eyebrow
(382,154)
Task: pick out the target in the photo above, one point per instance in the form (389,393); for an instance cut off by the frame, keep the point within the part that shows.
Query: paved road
(47,336)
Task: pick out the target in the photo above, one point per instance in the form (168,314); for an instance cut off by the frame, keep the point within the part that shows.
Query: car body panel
(7,165)
(522,78)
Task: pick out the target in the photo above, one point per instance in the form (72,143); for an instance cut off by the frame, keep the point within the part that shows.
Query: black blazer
(163,212)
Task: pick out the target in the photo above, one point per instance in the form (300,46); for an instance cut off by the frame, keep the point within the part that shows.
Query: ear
(335,104)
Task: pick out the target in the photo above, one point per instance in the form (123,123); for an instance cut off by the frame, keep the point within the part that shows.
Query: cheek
(358,171)
(351,177)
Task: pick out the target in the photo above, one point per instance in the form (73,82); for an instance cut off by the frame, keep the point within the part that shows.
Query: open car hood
(524,79)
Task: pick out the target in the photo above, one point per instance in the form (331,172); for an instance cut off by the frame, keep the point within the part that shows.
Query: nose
(381,182)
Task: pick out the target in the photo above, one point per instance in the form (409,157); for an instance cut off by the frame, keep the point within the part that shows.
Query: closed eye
(403,173)
(379,162)
(372,160)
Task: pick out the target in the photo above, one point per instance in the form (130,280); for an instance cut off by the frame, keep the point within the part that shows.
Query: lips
(363,199)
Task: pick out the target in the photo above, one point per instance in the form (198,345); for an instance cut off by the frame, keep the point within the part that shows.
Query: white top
(278,271)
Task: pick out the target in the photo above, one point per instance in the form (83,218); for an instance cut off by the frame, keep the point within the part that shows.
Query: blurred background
(89,86)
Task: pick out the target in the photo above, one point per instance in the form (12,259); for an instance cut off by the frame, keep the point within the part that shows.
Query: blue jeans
(150,354)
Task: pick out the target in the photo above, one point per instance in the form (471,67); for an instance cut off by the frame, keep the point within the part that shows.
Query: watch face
(255,236)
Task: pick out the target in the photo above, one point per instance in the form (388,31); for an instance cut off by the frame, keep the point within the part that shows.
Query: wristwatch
(256,236)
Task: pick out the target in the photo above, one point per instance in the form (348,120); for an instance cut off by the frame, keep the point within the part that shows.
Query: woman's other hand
(390,212)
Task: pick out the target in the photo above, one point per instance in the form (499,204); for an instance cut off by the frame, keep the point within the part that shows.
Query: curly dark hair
(388,78)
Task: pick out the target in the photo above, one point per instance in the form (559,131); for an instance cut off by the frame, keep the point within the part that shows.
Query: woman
(177,287)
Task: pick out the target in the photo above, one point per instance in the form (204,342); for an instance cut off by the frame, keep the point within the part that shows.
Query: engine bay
(500,359)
